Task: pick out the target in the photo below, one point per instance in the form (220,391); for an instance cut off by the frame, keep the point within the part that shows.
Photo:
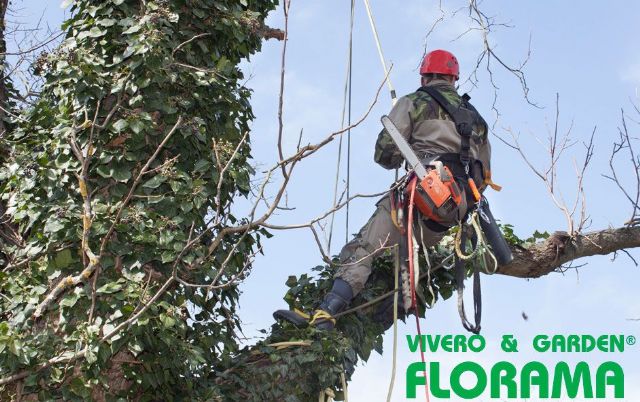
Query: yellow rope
(283,345)
(322,315)
(458,240)
(481,248)
(302,313)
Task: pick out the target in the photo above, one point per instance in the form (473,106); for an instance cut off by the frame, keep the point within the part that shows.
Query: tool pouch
(438,195)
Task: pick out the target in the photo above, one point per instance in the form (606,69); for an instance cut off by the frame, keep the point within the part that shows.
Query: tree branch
(544,258)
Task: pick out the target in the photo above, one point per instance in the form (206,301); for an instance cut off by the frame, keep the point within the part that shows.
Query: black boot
(334,302)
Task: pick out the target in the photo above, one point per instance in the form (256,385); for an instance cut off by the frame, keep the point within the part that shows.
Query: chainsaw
(440,194)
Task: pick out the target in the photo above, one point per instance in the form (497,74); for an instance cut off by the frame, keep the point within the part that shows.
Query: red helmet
(440,62)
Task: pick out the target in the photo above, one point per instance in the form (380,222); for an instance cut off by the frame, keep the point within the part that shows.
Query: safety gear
(464,115)
(439,195)
(440,62)
(322,318)
(431,132)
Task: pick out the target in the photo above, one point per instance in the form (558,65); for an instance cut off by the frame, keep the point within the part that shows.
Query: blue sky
(586,52)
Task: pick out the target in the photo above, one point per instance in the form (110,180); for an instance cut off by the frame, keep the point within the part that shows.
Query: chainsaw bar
(404,147)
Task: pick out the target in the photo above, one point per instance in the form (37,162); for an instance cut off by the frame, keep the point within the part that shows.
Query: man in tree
(460,141)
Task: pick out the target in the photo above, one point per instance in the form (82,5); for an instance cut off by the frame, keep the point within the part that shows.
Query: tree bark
(543,258)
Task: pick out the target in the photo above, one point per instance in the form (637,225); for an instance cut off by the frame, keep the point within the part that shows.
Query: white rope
(379,46)
(426,257)
(345,391)
(416,257)
(326,396)
(395,326)
(347,82)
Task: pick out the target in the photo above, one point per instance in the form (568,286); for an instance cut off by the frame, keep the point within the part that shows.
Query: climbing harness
(465,116)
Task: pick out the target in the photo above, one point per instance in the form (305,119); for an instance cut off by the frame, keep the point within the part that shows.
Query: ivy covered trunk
(117,180)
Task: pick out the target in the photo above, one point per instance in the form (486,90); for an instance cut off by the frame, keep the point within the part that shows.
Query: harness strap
(477,291)
(463,127)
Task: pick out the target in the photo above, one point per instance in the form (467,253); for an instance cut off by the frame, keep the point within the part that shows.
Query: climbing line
(458,239)
(345,390)
(346,232)
(347,99)
(392,91)
(395,324)
(428,260)
(481,247)
(326,395)
(346,95)
(284,345)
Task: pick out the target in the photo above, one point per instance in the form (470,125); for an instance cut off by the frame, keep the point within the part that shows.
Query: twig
(144,169)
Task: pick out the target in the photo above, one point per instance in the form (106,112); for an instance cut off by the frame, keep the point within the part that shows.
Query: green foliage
(513,239)
(298,373)
(124,74)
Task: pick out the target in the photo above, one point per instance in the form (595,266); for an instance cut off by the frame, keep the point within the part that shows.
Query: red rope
(414,304)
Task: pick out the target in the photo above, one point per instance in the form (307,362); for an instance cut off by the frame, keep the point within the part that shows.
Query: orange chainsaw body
(438,194)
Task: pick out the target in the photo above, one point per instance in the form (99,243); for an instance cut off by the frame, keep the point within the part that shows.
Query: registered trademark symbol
(631,340)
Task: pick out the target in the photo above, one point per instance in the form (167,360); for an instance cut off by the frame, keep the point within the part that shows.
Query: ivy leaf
(69,300)
(167,321)
(96,32)
(104,171)
(137,126)
(53,225)
(167,256)
(120,125)
(121,174)
(107,22)
(155,181)
(111,287)
(133,29)
(202,165)
(63,258)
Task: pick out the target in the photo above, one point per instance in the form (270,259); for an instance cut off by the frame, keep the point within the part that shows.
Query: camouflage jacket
(430,130)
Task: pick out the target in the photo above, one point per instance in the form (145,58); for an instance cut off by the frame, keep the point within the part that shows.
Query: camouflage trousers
(378,234)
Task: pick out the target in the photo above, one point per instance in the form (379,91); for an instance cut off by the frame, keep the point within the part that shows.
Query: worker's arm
(387,153)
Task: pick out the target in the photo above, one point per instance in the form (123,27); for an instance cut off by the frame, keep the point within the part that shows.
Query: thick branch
(543,258)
